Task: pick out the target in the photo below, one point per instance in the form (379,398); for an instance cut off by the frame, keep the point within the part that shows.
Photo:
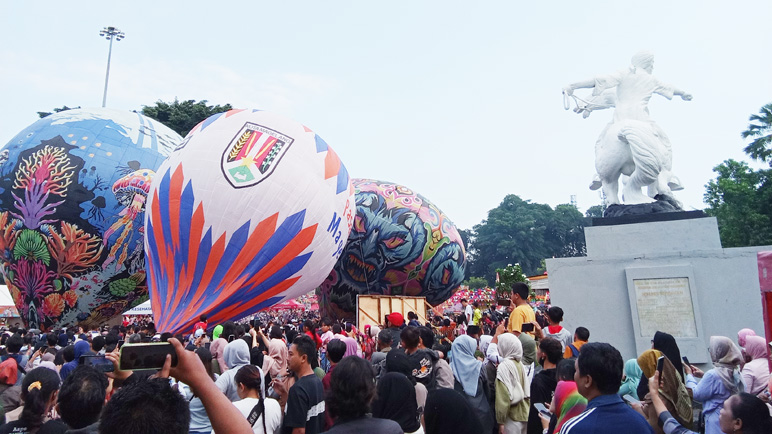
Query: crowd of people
(515,370)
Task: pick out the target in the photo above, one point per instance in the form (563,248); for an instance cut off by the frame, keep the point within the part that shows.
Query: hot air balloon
(252,209)
(400,244)
(72,198)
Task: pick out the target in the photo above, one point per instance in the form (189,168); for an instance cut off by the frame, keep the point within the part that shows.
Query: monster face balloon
(73,188)
(251,210)
(400,244)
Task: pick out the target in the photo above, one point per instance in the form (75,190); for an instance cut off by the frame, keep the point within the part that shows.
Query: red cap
(396,319)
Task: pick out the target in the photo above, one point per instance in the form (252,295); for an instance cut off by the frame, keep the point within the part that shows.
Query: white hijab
(510,371)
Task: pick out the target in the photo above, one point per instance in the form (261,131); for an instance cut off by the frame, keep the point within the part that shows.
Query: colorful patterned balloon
(252,209)
(72,200)
(401,244)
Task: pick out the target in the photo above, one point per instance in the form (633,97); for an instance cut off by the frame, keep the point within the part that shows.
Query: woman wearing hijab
(396,401)
(755,373)
(217,348)
(742,339)
(398,361)
(448,412)
(81,348)
(275,362)
(647,361)
(470,379)
(512,387)
(667,345)
(567,402)
(236,355)
(719,383)
(633,375)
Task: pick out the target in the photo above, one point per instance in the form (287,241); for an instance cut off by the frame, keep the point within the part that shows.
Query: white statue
(632,144)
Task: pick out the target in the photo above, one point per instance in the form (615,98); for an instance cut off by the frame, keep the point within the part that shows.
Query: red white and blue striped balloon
(250,210)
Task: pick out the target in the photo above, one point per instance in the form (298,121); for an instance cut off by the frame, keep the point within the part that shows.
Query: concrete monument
(632,144)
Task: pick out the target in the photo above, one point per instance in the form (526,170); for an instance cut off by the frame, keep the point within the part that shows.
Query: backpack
(574,350)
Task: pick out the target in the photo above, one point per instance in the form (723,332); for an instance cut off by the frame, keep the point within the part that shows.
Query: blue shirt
(606,414)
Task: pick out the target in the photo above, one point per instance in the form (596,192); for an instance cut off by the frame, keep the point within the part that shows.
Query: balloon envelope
(400,244)
(251,209)
(72,197)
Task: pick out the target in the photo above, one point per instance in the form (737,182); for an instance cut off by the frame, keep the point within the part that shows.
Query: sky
(459,101)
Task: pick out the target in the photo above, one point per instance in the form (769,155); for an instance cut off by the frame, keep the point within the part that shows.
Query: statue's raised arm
(632,144)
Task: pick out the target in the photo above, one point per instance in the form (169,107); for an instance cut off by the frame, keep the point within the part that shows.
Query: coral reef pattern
(72,201)
(400,244)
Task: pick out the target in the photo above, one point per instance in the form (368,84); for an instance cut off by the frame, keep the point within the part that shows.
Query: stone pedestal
(669,274)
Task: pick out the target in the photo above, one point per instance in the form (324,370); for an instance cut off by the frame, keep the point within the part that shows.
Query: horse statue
(632,145)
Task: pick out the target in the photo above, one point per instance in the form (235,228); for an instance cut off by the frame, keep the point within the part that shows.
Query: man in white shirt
(468,312)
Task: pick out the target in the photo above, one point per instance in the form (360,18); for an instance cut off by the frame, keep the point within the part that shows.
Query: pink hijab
(742,335)
(275,362)
(756,347)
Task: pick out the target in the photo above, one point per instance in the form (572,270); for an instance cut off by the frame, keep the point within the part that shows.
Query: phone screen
(120,343)
(631,400)
(542,408)
(660,365)
(686,360)
(231,338)
(137,357)
(527,327)
(101,363)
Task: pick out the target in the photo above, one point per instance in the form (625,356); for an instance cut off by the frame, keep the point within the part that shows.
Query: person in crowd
(423,359)
(81,348)
(394,323)
(742,413)
(201,324)
(352,390)
(647,361)
(199,420)
(545,381)
(442,372)
(755,373)
(470,380)
(236,356)
(581,337)
(672,389)
(598,377)
(335,352)
(326,336)
(667,345)
(304,401)
(567,402)
(39,391)
(632,376)
(309,328)
(512,387)
(555,330)
(742,335)
(719,383)
(384,346)
(351,344)
(81,399)
(275,362)
(263,414)
(396,400)
(412,319)
(476,314)
(448,412)
(468,311)
(397,361)
(98,345)
(13,346)
(448,330)
(523,312)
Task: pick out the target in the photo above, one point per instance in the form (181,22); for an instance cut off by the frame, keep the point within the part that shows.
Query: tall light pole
(109,33)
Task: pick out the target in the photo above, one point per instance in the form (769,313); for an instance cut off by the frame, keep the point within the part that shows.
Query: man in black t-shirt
(305,403)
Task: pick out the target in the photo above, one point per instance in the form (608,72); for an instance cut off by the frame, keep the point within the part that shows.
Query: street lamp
(110,33)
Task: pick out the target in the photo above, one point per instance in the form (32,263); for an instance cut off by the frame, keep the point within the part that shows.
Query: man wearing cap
(394,322)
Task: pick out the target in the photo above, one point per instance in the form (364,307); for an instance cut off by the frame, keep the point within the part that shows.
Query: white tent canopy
(5,297)
(142,309)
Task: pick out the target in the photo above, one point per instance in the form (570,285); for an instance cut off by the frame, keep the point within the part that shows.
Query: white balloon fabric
(250,210)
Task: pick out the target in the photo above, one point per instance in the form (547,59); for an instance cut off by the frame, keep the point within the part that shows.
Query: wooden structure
(372,309)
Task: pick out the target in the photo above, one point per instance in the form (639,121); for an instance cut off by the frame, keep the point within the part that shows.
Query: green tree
(56,110)
(594,211)
(741,200)
(761,129)
(182,116)
(476,282)
(518,231)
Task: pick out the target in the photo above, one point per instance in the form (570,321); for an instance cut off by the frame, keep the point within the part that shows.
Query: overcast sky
(459,101)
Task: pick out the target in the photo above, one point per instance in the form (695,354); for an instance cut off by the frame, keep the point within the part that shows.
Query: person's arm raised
(223,415)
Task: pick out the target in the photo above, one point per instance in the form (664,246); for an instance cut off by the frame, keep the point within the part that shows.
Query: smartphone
(630,400)
(686,360)
(527,327)
(660,365)
(43,349)
(207,345)
(120,343)
(101,363)
(150,356)
(542,409)
(231,338)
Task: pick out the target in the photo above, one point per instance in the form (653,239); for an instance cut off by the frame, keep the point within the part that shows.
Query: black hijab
(398,361)
(448,412)
(396,401)
(666,344)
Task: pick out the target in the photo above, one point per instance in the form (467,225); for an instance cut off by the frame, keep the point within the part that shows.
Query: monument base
(662,204)
(670,275)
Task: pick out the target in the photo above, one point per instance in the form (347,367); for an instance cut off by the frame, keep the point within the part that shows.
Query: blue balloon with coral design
(73,187)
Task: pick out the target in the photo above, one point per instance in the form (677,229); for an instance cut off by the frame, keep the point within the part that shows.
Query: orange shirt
(521,315)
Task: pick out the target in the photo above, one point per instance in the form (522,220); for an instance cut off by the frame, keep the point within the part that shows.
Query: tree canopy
(56,110)
(518,231)
(760,128)
(182,116)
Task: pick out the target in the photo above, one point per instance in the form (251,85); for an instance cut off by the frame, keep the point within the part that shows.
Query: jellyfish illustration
(131,192)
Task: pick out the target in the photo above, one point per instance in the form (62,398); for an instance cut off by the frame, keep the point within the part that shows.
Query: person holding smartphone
(523,312)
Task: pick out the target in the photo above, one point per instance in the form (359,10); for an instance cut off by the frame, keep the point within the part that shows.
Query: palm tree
(761,129)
